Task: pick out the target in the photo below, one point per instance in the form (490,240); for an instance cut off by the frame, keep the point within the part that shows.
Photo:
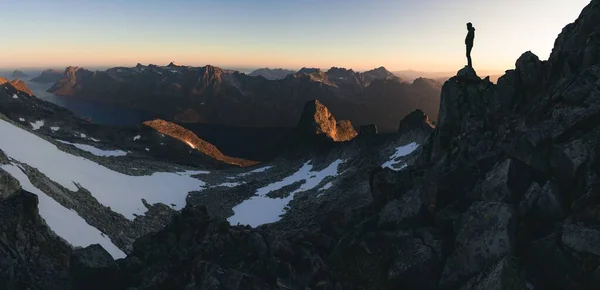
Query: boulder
(486,233)
(495,185)
(581,238)
(401,212)
(414,266)
(504,275)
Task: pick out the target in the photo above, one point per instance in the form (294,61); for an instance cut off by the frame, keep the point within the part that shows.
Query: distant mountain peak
(307,70)
(48,76)
(19,74)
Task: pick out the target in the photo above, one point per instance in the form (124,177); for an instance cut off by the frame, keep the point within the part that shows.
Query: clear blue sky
(423,35)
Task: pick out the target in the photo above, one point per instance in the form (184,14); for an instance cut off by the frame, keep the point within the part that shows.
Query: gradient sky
(426,35)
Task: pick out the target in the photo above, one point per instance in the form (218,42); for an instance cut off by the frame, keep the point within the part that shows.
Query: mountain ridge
(204,94)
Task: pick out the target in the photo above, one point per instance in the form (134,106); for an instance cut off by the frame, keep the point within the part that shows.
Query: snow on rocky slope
(101,193)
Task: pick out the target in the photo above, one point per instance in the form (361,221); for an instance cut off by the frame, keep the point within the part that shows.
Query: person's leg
(469,47)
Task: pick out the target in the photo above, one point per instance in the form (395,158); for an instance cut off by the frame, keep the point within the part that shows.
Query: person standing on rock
(469,42)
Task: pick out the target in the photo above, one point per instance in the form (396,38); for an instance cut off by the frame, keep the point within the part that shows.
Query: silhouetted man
(469,42)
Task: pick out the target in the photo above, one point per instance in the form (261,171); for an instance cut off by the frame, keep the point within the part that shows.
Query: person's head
(469,25)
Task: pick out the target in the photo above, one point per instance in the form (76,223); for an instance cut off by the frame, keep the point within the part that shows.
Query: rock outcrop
(416,124)
(17,85)
(317,120)
(196,144)
(31,256)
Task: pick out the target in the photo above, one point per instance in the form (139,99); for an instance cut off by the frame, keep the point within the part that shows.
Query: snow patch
(15,96)
(54,129)
(21,119)
(400,152)
(96,151)
(137,137)
(66,223)
(83,135)
(228,184)
(260,209)
(325,187)
(148,149)
(37,125)
(262,169)
(94,139)
(123,193)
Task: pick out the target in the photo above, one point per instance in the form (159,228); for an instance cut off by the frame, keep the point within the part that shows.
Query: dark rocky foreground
(504,195)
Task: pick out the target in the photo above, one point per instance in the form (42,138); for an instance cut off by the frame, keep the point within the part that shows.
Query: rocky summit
(502,193)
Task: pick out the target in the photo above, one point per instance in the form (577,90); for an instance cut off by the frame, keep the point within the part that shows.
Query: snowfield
(260,209)
(259,170)
(400,152)
(123,193)
(64,222)
(96,151)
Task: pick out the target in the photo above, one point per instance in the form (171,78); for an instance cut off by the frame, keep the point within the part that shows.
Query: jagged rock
(581,238)
(504,275)
(8,184)
(414,266)
(401,212)
(564,122)
(31,256)
(3,158)
(530,71)
(467,74)
(317,120)
(416,125)
(93,263)
(486,233)
(505,94)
